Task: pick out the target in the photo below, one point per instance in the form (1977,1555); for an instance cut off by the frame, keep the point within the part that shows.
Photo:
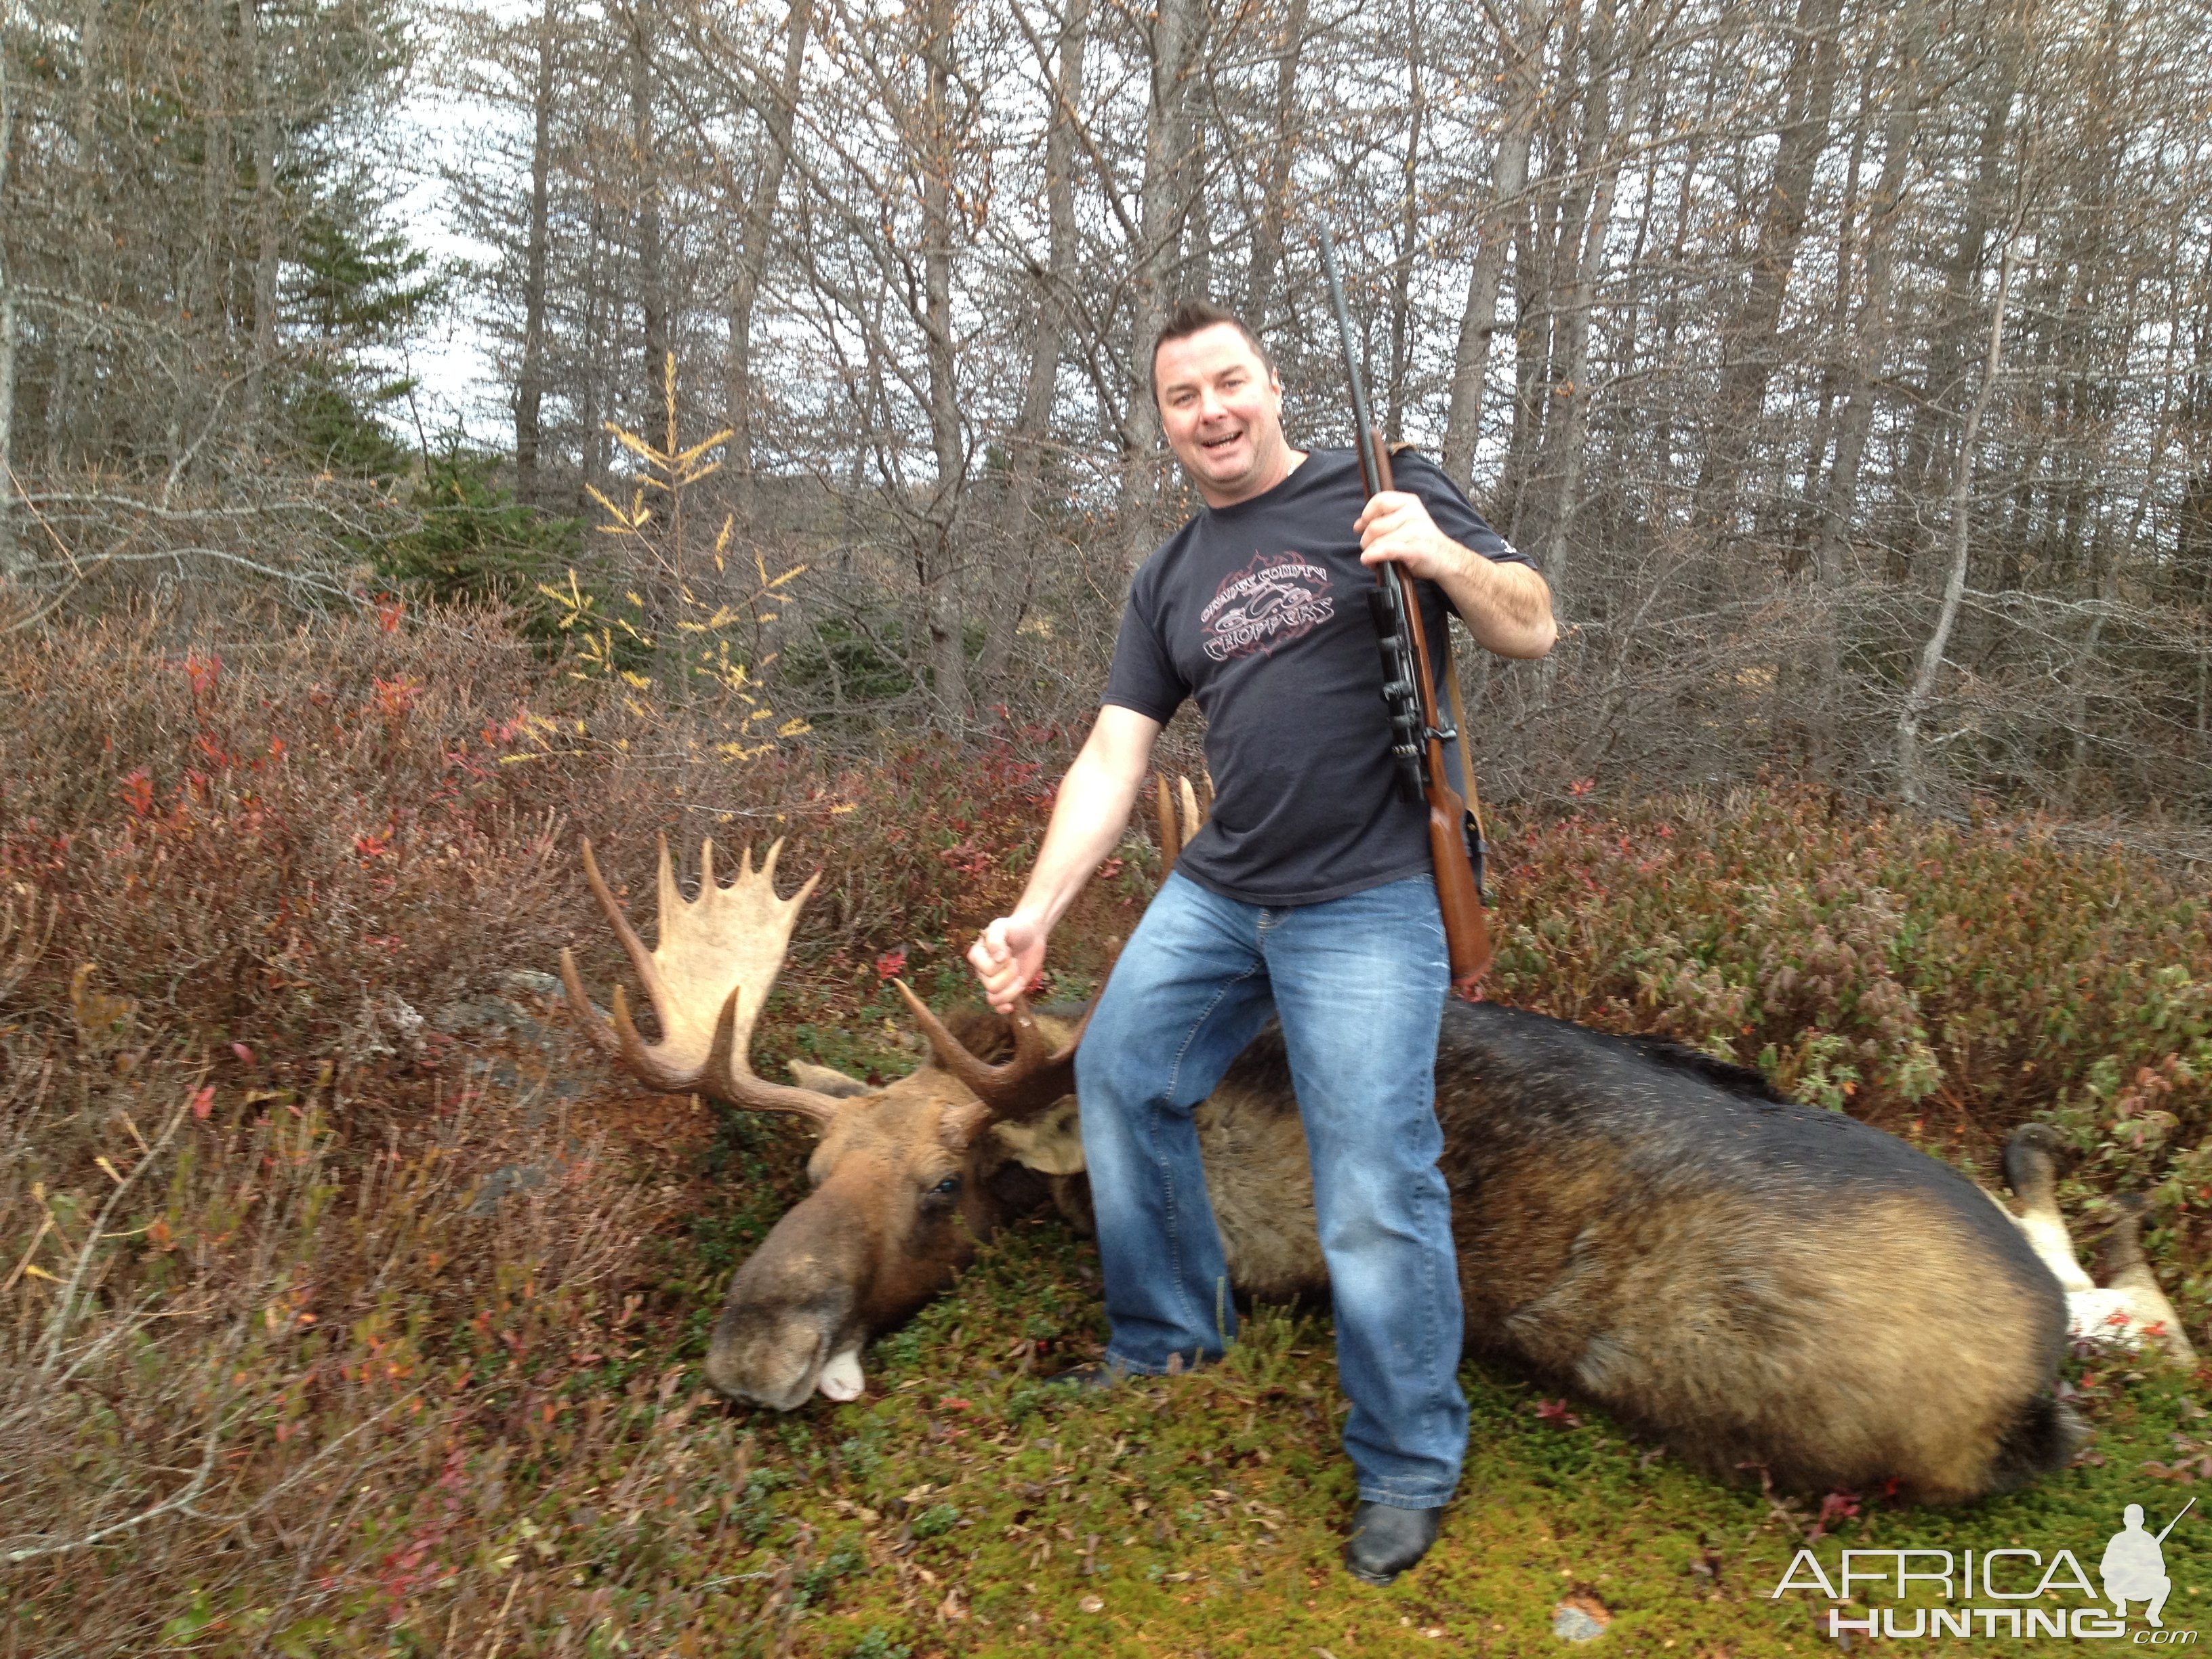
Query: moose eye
(945,1188)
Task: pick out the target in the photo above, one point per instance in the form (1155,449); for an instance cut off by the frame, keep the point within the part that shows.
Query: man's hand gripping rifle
(1418,734)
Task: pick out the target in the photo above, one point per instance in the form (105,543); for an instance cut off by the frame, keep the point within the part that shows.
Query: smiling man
(1308,895)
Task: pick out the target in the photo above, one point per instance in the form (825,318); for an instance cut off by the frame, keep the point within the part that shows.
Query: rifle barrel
(2176,1522)
(1363,430)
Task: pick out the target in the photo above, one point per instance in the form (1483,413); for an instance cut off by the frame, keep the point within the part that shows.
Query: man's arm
(1089,818)
(1506,607)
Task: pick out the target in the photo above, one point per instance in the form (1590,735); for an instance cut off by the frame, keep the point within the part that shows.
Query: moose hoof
(1385,1541)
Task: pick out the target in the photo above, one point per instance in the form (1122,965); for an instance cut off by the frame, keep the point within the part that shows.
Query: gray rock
(1570,1624)
(482,1014)
(508,1178)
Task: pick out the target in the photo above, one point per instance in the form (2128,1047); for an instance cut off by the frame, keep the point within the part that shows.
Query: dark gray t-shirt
(1259,613)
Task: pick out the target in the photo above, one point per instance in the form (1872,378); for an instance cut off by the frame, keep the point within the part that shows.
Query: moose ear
(958,1124)
(1050,1143)
(826,1080)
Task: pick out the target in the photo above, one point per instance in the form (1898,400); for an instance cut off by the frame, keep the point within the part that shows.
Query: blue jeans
(1360,985)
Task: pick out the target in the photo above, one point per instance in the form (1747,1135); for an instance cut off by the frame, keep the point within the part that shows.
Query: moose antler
(1037,1075)
(1174,837)
(707,979)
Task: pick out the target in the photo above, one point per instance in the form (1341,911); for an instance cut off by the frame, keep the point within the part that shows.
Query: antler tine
(640,959)
(1036,1075)
(621,1038)
(1164,804)
(603,1035)
(579,1004)
(652,1071)
(730,1077)
(668,897)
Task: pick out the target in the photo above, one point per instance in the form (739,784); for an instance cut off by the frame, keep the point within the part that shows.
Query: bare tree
(1165,195)
(1522,76)
(1695,297)
(530,374)
(1911,787)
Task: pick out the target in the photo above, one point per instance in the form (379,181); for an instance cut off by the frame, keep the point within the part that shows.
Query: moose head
(903,1176)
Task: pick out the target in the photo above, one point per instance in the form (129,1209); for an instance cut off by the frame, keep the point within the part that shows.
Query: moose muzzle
(792,1323)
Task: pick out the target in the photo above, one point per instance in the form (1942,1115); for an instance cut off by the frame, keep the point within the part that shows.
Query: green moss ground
(962,1508)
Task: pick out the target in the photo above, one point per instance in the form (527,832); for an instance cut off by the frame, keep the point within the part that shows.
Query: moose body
(1755,1283)
(1758,1285)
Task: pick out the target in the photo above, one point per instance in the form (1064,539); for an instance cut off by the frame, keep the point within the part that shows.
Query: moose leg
(1360,983)
(1188,993)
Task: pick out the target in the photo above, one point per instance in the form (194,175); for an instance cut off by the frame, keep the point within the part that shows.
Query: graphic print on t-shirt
(1274,599)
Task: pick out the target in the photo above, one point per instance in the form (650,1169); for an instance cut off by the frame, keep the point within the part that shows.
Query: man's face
(1222,411)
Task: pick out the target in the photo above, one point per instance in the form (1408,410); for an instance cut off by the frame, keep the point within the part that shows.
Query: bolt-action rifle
(1417,733)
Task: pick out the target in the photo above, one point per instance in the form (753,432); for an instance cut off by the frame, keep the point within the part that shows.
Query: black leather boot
(1096,1377)
(1101,1375)
(1385,1541)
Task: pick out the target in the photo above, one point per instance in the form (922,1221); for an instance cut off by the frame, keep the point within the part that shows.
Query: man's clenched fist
(1007,956)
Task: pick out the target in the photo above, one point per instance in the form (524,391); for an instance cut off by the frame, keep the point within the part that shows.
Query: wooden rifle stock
(1467,930)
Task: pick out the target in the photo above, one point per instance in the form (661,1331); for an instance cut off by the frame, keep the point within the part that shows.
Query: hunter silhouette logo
(2134,1568)
(2015,1593)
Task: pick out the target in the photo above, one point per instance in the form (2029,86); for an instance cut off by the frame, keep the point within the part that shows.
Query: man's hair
(1195,317)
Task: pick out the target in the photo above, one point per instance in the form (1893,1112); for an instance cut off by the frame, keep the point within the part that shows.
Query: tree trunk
(61,394)
(1178,31)
(1851,236)
(1750,345)
(652,274)
(755,223)
(598,397)
(1954,328)
(11,561)
(1539,243)
(1409,232)
(1954,585)
(263,96)
(1195,276)
(1501,218)
(1009,598)
(530,383)
(1672,313)
(940,553)
(1275,172)
(1872,326)
(1604,149)
(207,301)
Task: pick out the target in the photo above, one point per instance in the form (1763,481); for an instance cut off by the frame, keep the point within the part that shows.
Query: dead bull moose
(1757,1284)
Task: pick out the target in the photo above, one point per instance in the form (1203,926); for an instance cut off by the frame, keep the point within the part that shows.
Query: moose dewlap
(1763,1286)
